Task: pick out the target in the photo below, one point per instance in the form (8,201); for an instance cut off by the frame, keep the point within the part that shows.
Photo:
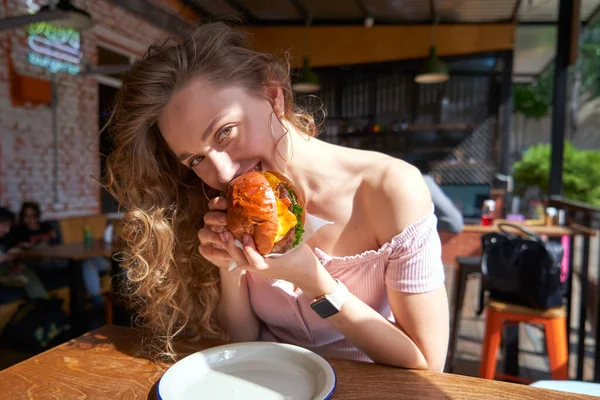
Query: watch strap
(330,304)
(339,295)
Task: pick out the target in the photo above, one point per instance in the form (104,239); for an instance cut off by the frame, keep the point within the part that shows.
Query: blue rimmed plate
(254,370)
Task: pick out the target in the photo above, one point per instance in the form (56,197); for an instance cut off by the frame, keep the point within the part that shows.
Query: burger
(266,206)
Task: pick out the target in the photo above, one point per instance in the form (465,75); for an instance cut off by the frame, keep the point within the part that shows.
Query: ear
(275,95)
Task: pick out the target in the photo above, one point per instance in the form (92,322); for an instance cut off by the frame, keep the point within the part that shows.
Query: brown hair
(27,206)
(173,289)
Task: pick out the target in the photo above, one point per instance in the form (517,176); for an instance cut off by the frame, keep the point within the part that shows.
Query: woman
(30,230)
(192,116)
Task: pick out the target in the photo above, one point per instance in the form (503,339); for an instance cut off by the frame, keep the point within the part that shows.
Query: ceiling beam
(302,10)
(242,9)
(432,9)
(154,15)
(593,16)
(185,8)
(365,10)
(198,9)
(348,45)
(359,22)
(515,13)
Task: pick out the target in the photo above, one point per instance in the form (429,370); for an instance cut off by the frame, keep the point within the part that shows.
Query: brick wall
(464,244)
(26,140)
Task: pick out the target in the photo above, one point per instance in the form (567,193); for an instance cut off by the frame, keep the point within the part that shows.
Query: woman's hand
(211,245)
(300,267)
(234,310)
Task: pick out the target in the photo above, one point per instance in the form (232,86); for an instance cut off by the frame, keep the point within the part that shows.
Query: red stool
(554,322)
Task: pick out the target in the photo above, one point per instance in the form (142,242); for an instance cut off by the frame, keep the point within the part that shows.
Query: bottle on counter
(87,236)
(551,215)
(487,212)
(108,233)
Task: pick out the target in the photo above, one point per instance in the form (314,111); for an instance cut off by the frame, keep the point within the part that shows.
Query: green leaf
(297,211)
(581,172)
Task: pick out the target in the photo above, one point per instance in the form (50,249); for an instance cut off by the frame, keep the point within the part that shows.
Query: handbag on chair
(521,269)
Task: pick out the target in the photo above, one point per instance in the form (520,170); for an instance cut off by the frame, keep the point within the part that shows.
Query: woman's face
(221,133)
(30,218)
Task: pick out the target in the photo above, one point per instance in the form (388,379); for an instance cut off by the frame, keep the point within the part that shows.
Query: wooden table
(107,364)
(75,253)
(551,231)
(72,251)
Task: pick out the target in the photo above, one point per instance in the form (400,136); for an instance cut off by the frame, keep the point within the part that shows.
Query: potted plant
(581,173)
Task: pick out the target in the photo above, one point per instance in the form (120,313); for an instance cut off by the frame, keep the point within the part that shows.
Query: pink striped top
(410,262)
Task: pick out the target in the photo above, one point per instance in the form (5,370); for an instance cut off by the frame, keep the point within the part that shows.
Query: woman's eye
(195,161)
(224,134)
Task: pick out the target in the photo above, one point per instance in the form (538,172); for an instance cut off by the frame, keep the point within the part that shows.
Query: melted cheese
(272,179)
(287,220)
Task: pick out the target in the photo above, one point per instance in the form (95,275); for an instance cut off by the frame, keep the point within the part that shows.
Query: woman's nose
(224,167)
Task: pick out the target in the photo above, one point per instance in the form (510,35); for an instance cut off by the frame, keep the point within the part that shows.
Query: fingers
(235,252)
(217,256)
(255,259)
(216,221)
(247,257)
(215,218)
(218,204)
(208,237)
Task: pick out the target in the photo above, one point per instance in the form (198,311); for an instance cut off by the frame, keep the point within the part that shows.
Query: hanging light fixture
(59,13)
(74,18)
(308,81)
(434,70)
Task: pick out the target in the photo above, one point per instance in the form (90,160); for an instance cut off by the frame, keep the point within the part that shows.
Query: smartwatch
(329,304)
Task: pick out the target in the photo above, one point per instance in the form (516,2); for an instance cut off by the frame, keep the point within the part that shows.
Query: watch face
(324,308)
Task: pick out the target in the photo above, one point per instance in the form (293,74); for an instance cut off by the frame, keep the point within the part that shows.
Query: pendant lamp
(434,70)
(74,18)
(308,81)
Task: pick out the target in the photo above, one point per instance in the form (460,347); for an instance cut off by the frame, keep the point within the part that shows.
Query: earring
(204,191)
(286,159)
(271,127)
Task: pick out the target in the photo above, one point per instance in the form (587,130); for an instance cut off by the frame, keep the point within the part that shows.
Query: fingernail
(246,238)
(224,237)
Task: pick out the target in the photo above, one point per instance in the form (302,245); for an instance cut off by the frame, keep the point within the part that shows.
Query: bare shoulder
(396,196)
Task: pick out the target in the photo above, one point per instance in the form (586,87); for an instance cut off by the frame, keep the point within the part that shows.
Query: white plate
(255,370)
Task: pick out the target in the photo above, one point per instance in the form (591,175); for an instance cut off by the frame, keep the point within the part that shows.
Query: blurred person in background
(450,219)
(32,232)
(12,272)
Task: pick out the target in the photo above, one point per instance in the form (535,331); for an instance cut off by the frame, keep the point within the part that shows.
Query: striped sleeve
(415,262)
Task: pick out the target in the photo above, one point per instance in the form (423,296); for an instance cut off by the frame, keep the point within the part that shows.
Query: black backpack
(523,270)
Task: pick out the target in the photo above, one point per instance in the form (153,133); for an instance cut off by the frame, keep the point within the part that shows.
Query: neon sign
(56,49)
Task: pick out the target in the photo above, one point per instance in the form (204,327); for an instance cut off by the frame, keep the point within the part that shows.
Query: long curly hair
(173,290)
